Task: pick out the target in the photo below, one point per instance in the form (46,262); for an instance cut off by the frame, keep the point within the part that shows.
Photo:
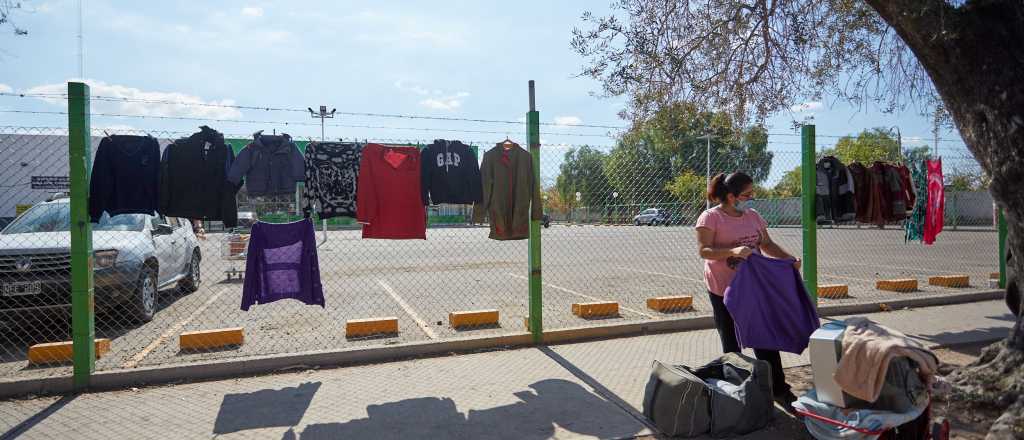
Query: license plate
(21,289)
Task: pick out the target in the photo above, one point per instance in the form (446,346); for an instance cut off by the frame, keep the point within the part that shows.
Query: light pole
(615,207)
(707,172)
(899,142)
(324,114)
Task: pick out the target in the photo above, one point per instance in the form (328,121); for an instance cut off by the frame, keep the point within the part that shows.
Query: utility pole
(707,171)
(81,44)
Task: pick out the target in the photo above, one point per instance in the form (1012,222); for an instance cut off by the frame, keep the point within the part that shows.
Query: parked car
(135,256)
(651,217)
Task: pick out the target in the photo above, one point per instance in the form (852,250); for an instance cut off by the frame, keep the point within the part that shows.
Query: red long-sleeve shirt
(388,199)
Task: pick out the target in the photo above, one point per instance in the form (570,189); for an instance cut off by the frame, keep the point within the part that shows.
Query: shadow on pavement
(23,427)
(264,408)
(960,337)
(552,402)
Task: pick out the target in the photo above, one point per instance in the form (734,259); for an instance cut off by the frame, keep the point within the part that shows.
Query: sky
(453,59)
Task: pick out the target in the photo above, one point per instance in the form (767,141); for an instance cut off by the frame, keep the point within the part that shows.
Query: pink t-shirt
(729,232)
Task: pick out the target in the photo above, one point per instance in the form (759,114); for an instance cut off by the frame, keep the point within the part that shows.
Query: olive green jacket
(511,197)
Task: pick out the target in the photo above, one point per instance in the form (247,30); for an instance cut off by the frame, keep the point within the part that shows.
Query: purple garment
(770,306)
(282,263)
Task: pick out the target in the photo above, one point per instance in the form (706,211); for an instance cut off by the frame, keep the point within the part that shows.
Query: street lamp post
(899,142)
(707,172)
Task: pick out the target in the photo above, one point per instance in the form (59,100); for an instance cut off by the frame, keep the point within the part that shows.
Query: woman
(728,234)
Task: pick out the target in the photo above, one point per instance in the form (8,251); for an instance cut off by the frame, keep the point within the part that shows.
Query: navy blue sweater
(125,177)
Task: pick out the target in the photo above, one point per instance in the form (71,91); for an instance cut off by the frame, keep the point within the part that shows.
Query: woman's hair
(722,185)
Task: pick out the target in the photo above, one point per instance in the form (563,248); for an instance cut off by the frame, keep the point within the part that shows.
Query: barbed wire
(302,110)
(382,115)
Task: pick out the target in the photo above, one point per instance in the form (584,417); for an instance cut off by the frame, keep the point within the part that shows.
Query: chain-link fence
(618,230)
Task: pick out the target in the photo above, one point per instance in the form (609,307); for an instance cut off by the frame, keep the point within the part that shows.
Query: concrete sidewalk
(582,390)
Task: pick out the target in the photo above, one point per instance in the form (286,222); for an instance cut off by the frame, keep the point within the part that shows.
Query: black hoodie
(450,174)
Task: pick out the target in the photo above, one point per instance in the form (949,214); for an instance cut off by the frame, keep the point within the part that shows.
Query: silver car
(652,217)
(134,257)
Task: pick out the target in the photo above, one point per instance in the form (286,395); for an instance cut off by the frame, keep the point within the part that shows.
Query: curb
(222,369)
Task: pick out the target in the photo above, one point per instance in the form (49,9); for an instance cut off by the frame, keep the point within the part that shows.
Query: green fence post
(536,303)
(810,260)
(1002,250)
(80,157)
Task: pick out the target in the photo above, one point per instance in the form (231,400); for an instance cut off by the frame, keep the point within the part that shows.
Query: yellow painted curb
(355,328)
(207,339)
(55,352)
(666,304)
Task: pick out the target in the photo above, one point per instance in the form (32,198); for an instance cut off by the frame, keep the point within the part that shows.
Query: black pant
(727,332)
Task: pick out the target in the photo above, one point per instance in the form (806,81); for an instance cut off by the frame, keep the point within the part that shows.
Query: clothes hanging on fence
(511,198)
(125,177)
(897,207)
(390,203)
(332,175)
(450,174)
(770,306)
(269,165)
(915,223)
(281,262)
(834,194)
(934,213)
(193,179)
(862,191)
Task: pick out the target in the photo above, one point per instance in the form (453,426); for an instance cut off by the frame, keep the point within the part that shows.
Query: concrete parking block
(207,339)
(833,291)
(899,285)
(950,281)
(595,309)
(56,352)
(473,318)
(355,328)
(666,304)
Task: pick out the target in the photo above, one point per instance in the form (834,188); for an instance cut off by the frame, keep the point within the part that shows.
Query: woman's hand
(742,252)
(796,264)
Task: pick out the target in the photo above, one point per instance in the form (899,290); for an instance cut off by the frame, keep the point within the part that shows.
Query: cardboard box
(825,348)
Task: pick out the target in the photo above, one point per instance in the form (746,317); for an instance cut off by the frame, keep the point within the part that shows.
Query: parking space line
(662,274)
(134,361)
(581,295)
(408,309)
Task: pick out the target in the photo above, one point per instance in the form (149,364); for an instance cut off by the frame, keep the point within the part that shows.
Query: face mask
(743,205)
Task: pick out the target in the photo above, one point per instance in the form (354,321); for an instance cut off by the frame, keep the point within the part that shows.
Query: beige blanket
(867,349)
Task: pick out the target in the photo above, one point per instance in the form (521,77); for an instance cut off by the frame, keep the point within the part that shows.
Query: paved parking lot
(420,282)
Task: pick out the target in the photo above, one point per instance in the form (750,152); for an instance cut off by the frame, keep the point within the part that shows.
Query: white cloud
(447,103)
(565,121)
(807,107)
(414,88)
(404,31)
(435,99)
(252,11)
(914,140)
(4,88)
(184,105)
(45,8)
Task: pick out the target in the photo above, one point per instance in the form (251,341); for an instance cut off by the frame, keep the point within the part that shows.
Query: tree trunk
(975,59)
